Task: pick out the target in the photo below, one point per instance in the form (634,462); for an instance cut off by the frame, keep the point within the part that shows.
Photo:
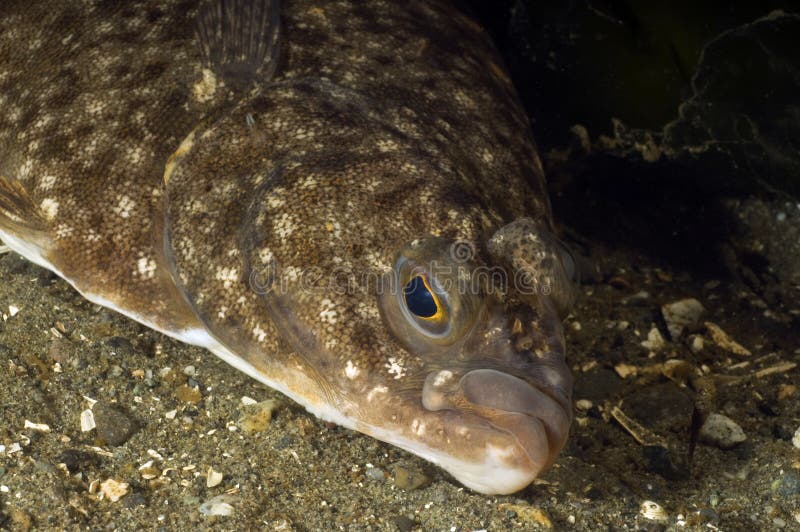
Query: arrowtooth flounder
(341,199)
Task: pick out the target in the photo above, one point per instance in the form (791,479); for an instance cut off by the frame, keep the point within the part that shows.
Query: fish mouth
(515,429)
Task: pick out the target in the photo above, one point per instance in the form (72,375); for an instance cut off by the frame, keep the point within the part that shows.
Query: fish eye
(424,308)
(420,299)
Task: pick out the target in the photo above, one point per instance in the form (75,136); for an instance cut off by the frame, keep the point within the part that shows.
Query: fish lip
(521,427)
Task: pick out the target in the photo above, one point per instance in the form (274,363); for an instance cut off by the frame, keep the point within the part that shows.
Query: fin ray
(239,40)
(18,212)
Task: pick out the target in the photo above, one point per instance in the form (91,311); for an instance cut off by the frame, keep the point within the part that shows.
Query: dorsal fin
(240,39)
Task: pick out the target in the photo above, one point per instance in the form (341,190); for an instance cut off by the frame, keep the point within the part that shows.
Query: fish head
(450,347)
(385,290)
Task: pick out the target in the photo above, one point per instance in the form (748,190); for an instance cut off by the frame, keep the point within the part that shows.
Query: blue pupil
(419,299)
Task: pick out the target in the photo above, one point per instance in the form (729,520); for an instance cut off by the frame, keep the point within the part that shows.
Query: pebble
(528,514)
(219,505)
(213,478)
(404,523)
(653,511)
(721,431)
(410,479)
(696,343)
(113,490)
(724,341)
(655,342)
(787,485)
(681,314)
(120,346)
(188,394)
(113,425)
(60,350)
(77,460)
(796,438)
(702,517)
(375,473)
(625,370)
(257,417)
(661,461)
(786,391)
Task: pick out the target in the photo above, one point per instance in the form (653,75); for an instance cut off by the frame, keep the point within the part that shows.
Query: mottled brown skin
(198,197)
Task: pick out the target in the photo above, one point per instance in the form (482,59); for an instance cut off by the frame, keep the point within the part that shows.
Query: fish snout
(529,427)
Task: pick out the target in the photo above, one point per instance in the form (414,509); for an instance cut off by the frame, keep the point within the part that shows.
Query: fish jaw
(491,442)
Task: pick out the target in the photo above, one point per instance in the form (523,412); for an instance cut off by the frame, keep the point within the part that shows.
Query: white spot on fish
(146,267)
(284,226)
(205,89)
(124,206)
(376,390)
(47,181)
(259,333)
(395,368)
(228,276)
(328,313)
(351,371)
(442,377)
(385,146)
(49,208)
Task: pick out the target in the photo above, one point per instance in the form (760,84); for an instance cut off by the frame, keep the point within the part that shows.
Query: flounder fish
(342,199)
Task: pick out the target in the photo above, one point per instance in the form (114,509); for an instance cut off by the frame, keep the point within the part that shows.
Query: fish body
(341,199)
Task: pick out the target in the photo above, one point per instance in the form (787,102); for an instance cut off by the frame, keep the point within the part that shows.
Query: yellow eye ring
(422,301)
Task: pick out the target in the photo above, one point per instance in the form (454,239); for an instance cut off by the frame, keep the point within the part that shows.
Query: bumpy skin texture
(260,209)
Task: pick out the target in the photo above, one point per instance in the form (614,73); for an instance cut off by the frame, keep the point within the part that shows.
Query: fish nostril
(438,385)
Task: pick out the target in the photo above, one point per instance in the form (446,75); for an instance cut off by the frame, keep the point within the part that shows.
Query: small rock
(39,427)
(148,471)
(188,394)
(257,417)
(703,517)
(786,391)
(528,514)
(375,473)
(721,431)
(661,461)
(87,420)
(113,425)
(724,341)
(680,314)
(113,490)
(404,523)
(788,485)
(136,499)
(60,350)
(410,479)
(21,520)
(796,438)
(213,478)
(655,342)
(626,370)
(653,511)
(77,460)
(696,343)
(120,346)
(219,505)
